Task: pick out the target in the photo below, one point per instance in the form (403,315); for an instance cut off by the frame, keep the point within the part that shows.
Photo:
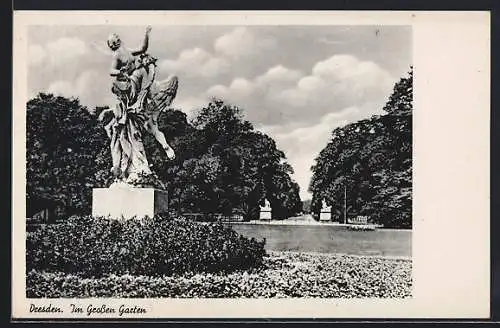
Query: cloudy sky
(295,83)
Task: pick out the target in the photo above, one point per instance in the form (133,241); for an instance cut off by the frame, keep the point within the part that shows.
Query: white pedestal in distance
(128,202)
(325,216)
(265,214)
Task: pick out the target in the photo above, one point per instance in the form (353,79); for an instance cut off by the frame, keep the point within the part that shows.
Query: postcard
(250,165)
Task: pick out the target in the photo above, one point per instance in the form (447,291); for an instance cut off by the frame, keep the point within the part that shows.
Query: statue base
(265,214)
(127,202)
(325,216)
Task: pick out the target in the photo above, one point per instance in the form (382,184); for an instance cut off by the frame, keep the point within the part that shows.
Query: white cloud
(300,112)
(89,87)
(363,74)
(36,54)
(303,143)
(285,95)
(65,49)
(198,62)
(340,80)
(242,87)
(278,74)
(215,66)
(337,65)
(242,42)
(311,84)
(300,105)
(217,91)
(239,88)
(195,62)
(58,52)
(69,88)
(62,88)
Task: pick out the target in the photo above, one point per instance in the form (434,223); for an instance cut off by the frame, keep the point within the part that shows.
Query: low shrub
(94,247)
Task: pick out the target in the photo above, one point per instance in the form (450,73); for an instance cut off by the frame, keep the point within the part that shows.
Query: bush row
(283,275)
(92,247)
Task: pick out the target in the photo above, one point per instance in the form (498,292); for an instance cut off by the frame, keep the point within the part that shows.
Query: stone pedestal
(326,212)
(325,215)
(128,202)
(265,213)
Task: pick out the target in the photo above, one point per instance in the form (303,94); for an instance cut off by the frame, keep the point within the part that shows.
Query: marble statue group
(140,100)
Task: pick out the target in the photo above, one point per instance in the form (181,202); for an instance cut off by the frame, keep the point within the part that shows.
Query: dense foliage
(222,166)
(62,139)
(93,247)
(225,166)
(283,275)
(372,160)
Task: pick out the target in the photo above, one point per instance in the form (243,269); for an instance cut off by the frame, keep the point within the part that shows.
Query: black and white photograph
(218,162)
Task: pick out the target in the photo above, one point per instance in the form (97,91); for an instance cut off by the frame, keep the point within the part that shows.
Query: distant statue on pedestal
(326,212)
(265,211)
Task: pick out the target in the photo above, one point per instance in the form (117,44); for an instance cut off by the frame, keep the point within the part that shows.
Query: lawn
(330,239)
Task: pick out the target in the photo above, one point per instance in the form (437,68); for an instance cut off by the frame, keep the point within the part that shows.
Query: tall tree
(370,161)
(249,166)
(62,141)
(222,164)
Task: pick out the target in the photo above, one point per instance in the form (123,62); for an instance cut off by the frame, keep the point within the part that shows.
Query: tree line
(369,162)
(223,165)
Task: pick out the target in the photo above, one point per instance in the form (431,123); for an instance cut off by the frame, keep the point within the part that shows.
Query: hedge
(93,247)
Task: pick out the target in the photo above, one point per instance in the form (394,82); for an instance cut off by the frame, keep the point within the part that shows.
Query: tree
(372,160)
(222,164)
(62,143)
(249,167)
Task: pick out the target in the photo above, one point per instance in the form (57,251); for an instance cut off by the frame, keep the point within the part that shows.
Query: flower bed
(282,275)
